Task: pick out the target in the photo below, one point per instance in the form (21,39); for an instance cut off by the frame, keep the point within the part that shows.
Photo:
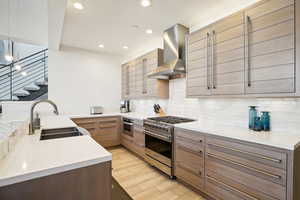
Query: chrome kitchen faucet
(32,125)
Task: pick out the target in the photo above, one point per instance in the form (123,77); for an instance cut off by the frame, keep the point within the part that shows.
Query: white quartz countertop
(282,140)
(92,116)
(33,158)
(132,115)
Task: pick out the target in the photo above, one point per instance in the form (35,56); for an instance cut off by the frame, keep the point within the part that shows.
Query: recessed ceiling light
(125,47)
(78,6)
(101,45)
(18,67)
(24,73)
(149,31)
(9,58)
(146,3)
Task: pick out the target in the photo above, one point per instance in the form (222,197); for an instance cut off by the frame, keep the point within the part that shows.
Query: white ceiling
(110,22)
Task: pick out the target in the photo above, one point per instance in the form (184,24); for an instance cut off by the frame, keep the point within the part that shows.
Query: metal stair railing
(12,80)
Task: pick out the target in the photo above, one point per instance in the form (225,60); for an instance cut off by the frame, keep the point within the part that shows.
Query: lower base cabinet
(136,141)
(189,158)
(104,130)
(228,169)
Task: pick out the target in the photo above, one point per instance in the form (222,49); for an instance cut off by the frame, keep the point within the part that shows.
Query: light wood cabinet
(90,182)
(250,53)
(138,85)
(125,81)
(189,158)
(199,64)
(270,52)
(136,142)
(227,38)
(226,168)
(236,166)
(104,130)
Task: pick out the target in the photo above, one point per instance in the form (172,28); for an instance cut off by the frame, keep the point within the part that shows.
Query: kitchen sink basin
(59,133)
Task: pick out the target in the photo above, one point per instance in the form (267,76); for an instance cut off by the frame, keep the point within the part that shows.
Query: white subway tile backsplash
(285,112)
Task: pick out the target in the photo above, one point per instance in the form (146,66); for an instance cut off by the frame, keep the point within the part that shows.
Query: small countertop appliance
(96,110)
(125,106)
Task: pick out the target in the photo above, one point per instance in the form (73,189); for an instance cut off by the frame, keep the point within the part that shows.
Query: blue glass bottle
(257,124)
(265,119)
(252,115)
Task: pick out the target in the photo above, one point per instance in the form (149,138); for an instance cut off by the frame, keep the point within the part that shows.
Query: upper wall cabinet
(199,64)
(216,58)
(270,52)
(227,38)
(125,81)
(140,86)
(250,53)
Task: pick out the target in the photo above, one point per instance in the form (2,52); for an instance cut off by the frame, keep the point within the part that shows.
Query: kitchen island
(66,168)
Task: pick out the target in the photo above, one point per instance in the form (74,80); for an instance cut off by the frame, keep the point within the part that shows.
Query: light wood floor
(143,182)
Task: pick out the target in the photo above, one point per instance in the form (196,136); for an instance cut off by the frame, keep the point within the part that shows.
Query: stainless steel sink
(59,133)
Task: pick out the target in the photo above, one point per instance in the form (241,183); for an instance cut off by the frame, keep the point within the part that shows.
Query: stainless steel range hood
(174,53)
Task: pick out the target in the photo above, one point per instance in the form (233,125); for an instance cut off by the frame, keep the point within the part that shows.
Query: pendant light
(18,67)
(8,56)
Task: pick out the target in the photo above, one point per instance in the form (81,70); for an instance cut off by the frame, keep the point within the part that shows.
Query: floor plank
(143,182)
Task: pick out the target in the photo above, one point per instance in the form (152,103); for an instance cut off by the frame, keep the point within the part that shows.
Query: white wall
(79,79)
(24,21)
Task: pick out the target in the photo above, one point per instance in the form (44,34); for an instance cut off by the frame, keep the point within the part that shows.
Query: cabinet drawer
(222,189)
(190,159)
(189,136)
(189,176)
(84,120)
(189,156)
(126,142)
(246,152)
(87,125)
(109,133)
(254,179)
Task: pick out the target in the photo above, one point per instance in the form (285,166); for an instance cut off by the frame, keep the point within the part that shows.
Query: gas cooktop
(171,119)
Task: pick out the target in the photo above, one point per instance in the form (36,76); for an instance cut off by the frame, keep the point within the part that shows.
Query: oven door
(158,148)
(128,127)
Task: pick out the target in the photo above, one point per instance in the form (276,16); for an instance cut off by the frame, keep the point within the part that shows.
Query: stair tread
(21,93)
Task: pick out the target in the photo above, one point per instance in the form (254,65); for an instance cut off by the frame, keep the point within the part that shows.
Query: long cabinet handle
(231,188)
(248,153)
(248,24)
(213,59)
(207,62)
(244,166)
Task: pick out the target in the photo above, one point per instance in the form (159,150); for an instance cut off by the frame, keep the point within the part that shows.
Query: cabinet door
(198,64)
(151,63)
(138,78)
(227,62)
(125,82)
(270,47)
(108,131)
(131,80)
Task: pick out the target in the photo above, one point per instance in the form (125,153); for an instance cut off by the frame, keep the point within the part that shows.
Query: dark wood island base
(87,183)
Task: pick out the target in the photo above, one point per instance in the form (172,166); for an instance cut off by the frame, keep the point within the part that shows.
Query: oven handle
(167,139)
(128,123)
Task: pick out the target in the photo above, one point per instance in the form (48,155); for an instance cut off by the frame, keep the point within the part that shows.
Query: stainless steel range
(159,137)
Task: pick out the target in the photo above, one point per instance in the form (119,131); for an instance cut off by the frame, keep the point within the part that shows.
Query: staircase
(28,83)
